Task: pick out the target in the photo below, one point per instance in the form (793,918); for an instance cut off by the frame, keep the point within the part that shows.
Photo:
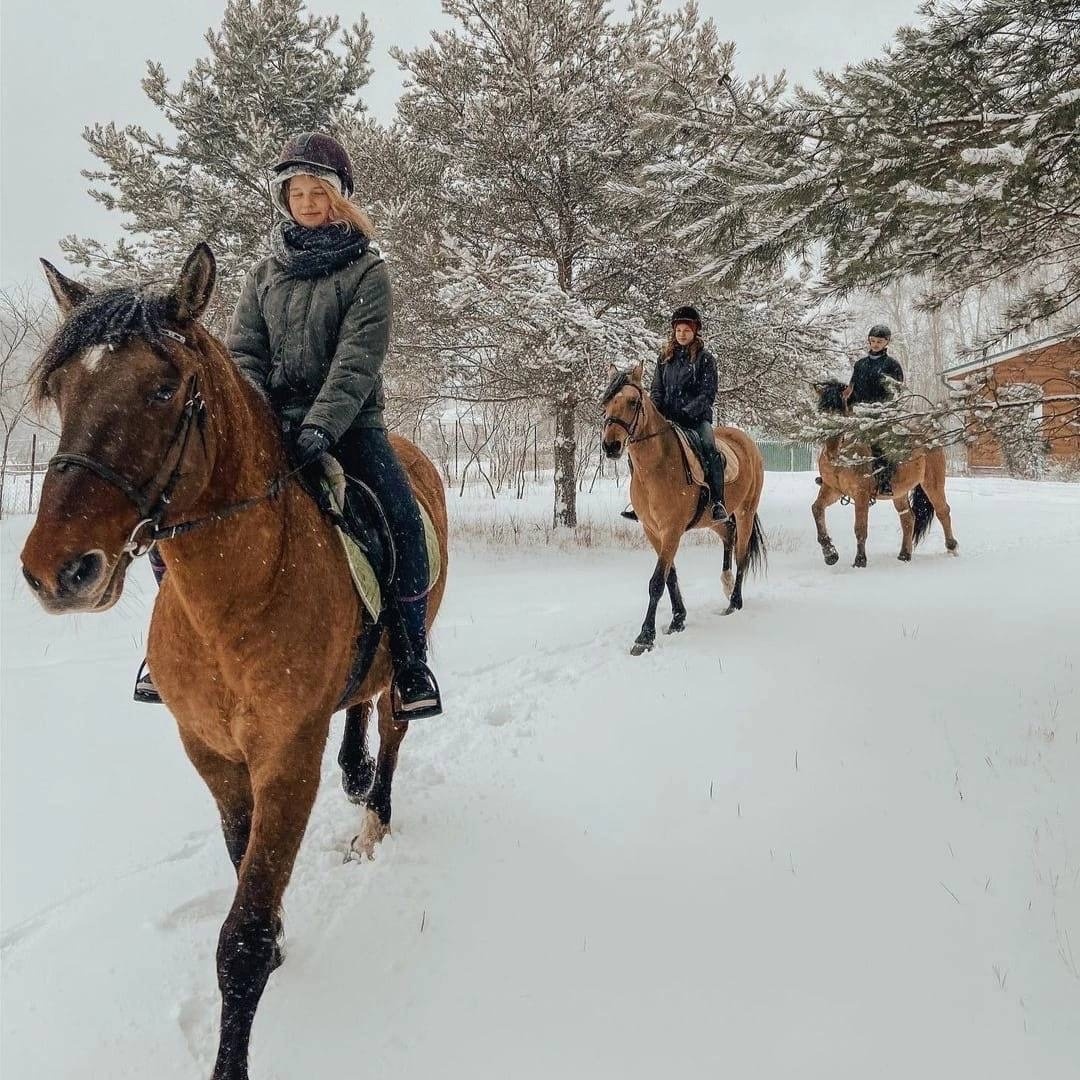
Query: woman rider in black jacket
(684,390)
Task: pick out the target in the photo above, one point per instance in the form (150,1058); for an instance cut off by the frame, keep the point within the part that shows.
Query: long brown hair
(668,351)
(341,208)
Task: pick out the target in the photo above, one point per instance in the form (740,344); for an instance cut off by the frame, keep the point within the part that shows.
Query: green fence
(788,456)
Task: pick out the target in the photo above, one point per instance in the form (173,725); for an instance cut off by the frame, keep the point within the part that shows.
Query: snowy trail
(836,835)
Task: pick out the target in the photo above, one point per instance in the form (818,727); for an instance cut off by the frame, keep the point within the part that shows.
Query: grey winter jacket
(316,346)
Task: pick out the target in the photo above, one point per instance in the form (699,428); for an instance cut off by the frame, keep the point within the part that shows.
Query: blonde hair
(341,208)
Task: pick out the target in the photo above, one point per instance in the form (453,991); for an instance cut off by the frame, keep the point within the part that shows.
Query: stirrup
(629,513)
(145,690)
(719,512)
(427,700)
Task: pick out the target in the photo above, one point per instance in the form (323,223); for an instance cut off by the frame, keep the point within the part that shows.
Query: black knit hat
(323,152)
(880,330)
(686,313)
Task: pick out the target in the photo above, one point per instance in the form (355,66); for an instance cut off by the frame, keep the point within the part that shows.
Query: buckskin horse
(669,503)
(922,477)
(255,630)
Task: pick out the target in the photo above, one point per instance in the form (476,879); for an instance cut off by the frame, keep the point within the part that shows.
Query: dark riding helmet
(686,314)
(881,331)
(323,152)
(314,155)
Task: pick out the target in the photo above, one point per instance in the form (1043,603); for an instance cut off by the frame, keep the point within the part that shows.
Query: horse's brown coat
(255,624)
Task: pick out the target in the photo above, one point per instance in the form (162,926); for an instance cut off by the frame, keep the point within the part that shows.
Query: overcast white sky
(68,63)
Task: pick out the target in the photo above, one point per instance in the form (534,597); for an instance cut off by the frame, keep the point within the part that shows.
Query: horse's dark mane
(830,396)
(106,318)
(622,379)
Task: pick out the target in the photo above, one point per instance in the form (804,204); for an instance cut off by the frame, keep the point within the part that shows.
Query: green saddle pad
(361,570)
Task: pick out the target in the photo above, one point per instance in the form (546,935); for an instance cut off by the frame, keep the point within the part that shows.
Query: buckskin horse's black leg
(678,608)
(647,638)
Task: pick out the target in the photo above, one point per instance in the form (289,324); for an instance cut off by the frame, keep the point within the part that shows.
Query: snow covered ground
(836,835)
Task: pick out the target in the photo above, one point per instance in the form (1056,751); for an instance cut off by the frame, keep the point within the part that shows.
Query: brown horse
(668,504)
(922,477)
(256,625)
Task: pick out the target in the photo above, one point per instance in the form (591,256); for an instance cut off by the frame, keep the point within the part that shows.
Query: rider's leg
(366,454)
(145,690)
(883,470)
(714,468)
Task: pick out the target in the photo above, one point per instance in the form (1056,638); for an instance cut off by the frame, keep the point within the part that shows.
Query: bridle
(151,499)
(639,412)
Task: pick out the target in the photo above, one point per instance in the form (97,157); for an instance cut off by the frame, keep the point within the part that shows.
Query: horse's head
(123,373)
(831,396)
(623,404)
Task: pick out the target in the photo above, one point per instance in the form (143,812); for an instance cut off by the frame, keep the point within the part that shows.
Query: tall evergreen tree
(272,70)
(954,155)
(527,106)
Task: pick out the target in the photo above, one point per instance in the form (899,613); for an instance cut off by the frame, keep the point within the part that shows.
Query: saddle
(361,525)
(692,451)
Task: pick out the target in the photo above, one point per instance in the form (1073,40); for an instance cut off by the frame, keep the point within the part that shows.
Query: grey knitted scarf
(311,253)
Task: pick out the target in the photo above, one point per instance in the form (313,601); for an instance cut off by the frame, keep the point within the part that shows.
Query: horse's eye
(164,392)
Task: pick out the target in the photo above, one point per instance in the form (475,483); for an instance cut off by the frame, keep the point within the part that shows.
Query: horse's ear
(67,293)
(195,285)
(637,372)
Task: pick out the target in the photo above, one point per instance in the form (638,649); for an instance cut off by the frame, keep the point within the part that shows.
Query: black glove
(311,444)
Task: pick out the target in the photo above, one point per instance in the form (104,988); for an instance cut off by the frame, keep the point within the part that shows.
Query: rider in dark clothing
(868,386)
(684,390)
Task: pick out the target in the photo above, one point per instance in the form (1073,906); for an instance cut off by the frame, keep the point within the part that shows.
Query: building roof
(990,360)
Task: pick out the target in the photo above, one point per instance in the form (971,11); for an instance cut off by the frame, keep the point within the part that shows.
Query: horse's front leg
(907,527)
(284,779)
(678,608)
(862,516)
(826,497)
(666,549)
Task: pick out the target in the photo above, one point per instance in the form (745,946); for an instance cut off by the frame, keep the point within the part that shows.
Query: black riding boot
(414,693)
(715,469)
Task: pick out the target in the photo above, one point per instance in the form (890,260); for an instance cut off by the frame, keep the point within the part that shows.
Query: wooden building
(1052,364)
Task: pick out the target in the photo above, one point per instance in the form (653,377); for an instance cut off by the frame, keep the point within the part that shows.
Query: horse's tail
(757,558)
(924,513)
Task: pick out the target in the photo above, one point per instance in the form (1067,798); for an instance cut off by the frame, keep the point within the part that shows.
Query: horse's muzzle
(612,448)
(82,583)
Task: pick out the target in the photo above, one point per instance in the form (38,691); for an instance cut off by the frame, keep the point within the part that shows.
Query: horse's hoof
(952,547)
(640,647)
(860,561)
(729,610)
(676,626)
(372,833)
(904,556)
(831,558)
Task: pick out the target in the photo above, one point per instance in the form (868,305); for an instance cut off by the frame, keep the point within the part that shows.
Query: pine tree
(954,155)
(272,70)
(526,105)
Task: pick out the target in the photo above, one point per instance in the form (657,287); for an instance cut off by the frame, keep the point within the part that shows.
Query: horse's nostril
(31,580)
(77,574)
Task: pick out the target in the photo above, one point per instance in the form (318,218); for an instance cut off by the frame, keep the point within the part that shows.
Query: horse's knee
(656,585)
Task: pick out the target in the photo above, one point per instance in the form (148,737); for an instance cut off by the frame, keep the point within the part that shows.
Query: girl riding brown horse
(922,477)
(255,631)
(668,503)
